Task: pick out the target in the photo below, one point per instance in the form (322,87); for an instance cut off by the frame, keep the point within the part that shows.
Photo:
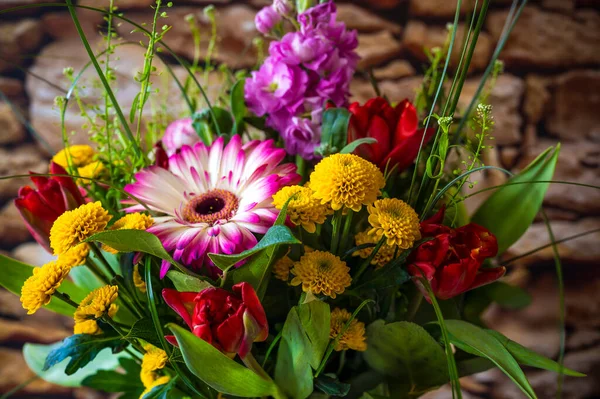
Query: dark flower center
(211,206)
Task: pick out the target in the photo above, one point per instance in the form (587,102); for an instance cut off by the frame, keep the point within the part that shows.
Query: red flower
(452,260)
(395,129)
(52,196)
(231,322)
(161,158)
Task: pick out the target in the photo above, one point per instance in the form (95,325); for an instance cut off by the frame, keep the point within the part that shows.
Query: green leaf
(82,349)
(223,374)
(315,319)
(14,274)
(84,278)
(479,342)
(331,386)
(334,130)
(406,352)
(186,283)
(350,147)
(134,107)
(163,391)
(35,356)
(115,382)
(238,106)
(292,370)
(203,120)
(144,329)
(530,358)
(505,295)
(473,366)
(276,235)
(510,210)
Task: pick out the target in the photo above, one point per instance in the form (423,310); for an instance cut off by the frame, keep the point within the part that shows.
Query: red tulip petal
(38,228)
(408,122)
(378,129)
(229,333)
(456,278)
(253,305)
(181,302)
(66,182)
(406,151)
(172,340)
(486,276)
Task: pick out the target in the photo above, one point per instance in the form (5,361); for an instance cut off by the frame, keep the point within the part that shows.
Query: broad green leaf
(203,120)
(82,349)
(35,356)
(292,370)
(510,210)
(144,329)
(238,106)
(315,318)
(84,278)
(334,130)
(186,283)
(164,391)
(530,358)
(350,147)
(331,386)
(217,370)
(117,381)
(133,241)
(276,235)
(473,366)
(407,353)
(14,274)
(479,342)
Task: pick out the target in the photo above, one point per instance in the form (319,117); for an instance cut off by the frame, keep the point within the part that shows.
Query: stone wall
(550,92)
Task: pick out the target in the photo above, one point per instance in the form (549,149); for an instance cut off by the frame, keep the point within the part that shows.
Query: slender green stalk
(66,298)
(336,222)
(97,272)
(107,71)
(19,387)
(345,239)
(102,259)
(414,305)
(110,93)
(271,347)
(367,261)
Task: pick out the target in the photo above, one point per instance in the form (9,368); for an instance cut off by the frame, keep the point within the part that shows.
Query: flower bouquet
(279,241)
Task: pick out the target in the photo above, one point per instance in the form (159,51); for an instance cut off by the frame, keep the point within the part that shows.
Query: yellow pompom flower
(381,258)
(282,268)
(80,155)
(137,279)
(91,171)
(395,220)
(75,256)
(89,327)
(131,221)
(98,303)
(38,289)
(303,209)
(353,338)
(72,227)
(321,272)
(346,180)
(154,359)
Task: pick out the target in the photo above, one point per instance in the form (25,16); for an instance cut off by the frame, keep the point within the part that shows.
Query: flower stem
(367,261)
(301,167)
(346,231)
(253,365)
(336,222)
(66,298)
(102,259)
(414,305)
(97,272)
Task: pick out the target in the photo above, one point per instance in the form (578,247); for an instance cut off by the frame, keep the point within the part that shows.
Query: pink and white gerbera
(213,199)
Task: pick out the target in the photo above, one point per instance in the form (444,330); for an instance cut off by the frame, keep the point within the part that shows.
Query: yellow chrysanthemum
(154,359)
(158,382)
(38,289)
(303,209)
(98,303)
(92,170)
(72,227)
(137,279)
(354,337)
(80,155)
(89,327)
(282,268)
(396,220)
(131,221)
(321,272)
(75,256)
(346,180)
(383,256)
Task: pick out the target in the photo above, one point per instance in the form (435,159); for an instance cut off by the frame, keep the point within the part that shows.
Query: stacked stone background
(550,92)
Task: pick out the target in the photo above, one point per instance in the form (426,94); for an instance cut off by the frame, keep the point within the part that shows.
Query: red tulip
(39,207)
(231,322)
(161,158)
(452,260)
(395,129)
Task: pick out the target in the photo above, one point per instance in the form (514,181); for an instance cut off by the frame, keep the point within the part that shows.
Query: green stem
(336,222)
(346,231)
(102,259)
(414,305)
(19,387)
(367,261)
(301,167)
(271,347)
(97,272)
(342,363)
(66,298)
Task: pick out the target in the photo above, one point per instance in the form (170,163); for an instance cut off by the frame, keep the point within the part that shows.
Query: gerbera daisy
(213,198)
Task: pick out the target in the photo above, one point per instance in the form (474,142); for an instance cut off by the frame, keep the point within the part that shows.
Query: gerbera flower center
(211,206)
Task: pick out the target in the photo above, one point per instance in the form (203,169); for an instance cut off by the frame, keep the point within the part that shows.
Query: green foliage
(14,274)
(186,283)
(351,147)
(204,123)
(238,106)
(505,295)
(530,358)
(331,386)
(294,356)
(509,212)
(112,381)
(406,353)
(82,349)
(165,391)
(35,356)
(315,320)
(479,342)
(144,329)
(334,130)
(224,374)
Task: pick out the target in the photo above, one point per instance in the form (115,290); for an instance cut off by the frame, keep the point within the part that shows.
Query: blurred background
(549,92)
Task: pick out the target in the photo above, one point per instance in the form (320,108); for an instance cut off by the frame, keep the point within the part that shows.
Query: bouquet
(279,241)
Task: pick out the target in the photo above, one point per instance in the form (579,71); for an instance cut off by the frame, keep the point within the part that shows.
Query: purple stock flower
(283,7)
(266,19)
(302,137)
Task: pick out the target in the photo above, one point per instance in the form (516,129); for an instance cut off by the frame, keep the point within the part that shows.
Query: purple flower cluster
(303,71)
